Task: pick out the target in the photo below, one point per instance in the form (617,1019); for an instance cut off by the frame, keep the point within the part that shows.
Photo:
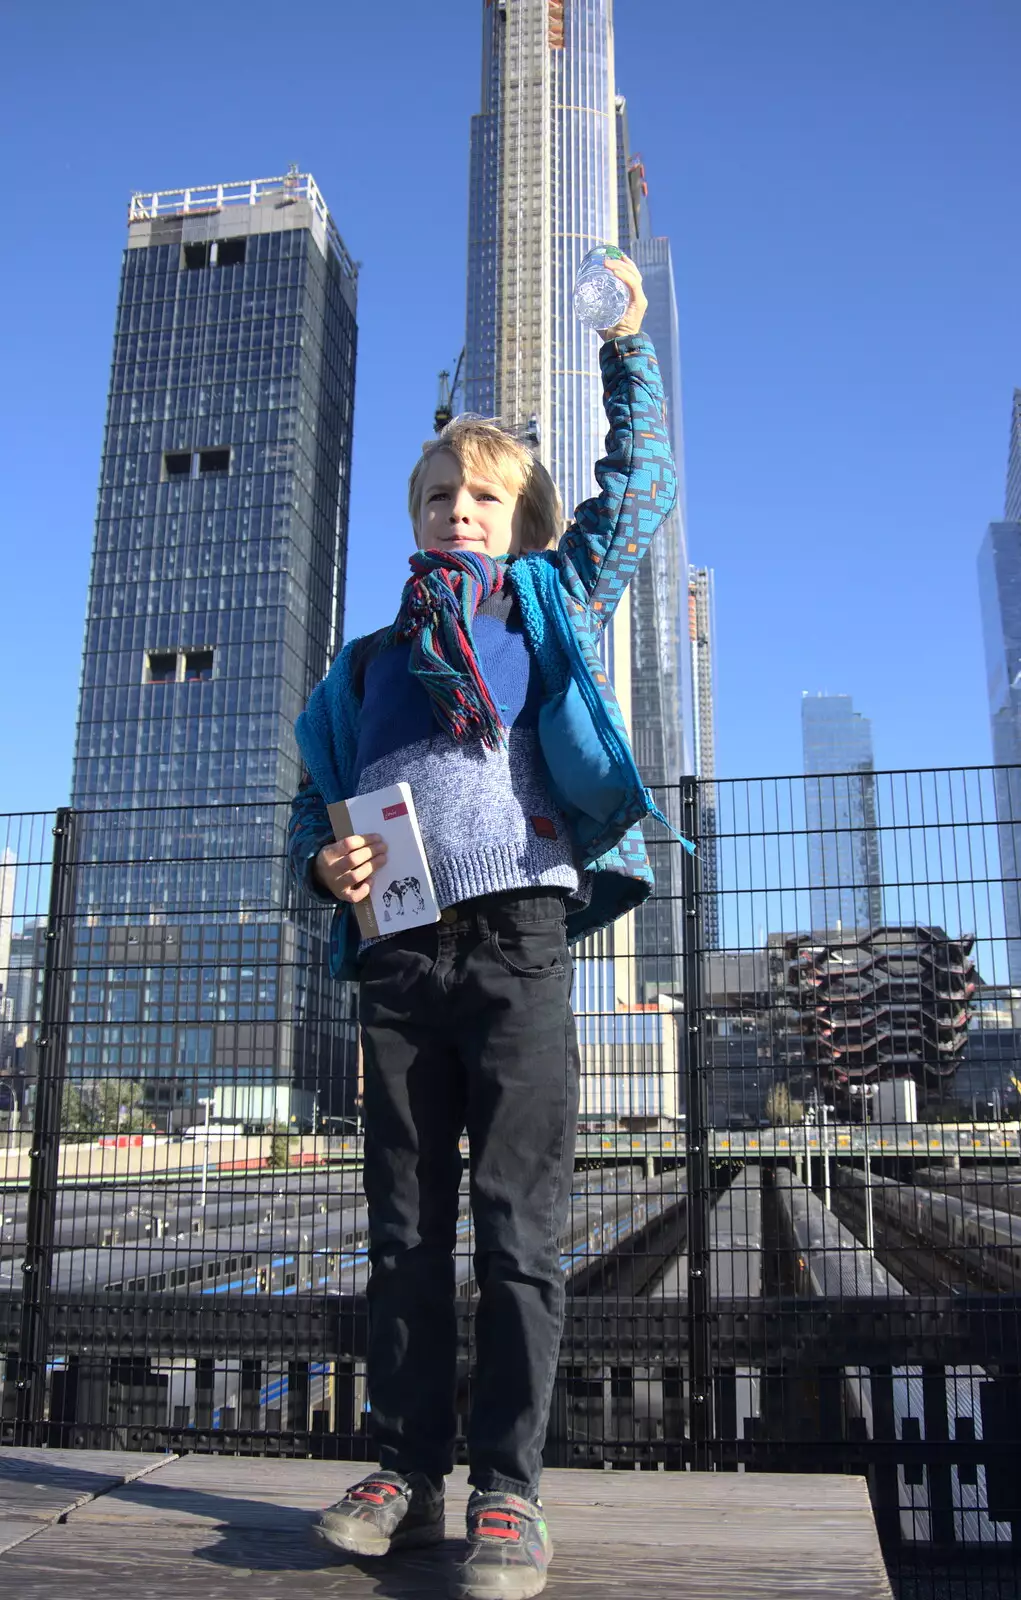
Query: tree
(103,1105)
(781,1110)
(279,1146)
(73,1115)
(115,1105)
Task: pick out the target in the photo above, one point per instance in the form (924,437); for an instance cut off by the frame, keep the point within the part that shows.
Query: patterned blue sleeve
(308,830)
(600,552)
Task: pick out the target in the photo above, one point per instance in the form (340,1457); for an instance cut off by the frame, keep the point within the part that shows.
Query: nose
(459,511)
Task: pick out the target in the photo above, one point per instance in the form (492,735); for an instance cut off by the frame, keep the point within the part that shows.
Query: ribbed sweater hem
(492,869)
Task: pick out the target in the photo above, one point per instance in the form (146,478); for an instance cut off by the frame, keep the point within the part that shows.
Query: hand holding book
(403,896)
(345,868)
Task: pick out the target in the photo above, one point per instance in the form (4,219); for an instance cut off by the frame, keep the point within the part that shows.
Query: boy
(487,695)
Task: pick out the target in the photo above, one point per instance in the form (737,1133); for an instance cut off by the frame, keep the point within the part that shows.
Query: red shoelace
(483,1532)
(365,1491)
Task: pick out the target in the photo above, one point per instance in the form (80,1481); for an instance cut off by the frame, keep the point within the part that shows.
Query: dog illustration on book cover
(396,893)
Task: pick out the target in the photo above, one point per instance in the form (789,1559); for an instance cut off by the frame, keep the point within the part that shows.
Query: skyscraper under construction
(552,176)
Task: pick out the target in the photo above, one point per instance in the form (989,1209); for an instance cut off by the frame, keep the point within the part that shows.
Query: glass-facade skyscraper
(551,177)
(218,567)
(999,576)
(215,605)
(661,679)
(844,866)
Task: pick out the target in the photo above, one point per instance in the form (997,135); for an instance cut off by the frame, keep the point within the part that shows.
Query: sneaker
(383,1512)
(509,1548)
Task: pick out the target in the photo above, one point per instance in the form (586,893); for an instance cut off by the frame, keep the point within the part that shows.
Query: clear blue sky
(842,187)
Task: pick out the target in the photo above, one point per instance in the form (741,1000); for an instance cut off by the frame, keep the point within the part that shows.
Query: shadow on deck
(80,1522)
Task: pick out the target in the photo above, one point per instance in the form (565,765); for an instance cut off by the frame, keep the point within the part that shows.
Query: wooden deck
(81,1523)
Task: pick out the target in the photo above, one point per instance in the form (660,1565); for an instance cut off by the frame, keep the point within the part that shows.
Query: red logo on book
(544,828)
(399,810)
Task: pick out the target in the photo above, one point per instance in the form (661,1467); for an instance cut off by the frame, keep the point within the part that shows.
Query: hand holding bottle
(608,294)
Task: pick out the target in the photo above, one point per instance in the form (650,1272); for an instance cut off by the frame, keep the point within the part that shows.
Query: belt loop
(482,920)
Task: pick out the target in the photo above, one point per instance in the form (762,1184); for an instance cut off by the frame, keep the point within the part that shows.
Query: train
(318,1251)
(986,1241)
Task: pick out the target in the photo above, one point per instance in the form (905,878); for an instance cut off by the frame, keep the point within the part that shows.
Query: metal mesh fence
(853,1072)
(794,1240)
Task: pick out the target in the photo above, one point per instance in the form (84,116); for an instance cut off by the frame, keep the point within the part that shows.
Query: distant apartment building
(215,605)
(629,1056)
(844,863)
(999,576)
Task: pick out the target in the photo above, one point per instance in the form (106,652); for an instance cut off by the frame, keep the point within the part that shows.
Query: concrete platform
(166,1528)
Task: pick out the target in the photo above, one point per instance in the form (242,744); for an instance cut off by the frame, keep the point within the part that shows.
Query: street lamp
(870,1220)
(808,1119)
(205,1153)
(14,1125)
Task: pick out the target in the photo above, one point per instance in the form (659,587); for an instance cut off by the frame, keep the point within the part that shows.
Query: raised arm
(600,552)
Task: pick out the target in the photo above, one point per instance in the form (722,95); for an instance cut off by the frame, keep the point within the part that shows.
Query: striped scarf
(438,606)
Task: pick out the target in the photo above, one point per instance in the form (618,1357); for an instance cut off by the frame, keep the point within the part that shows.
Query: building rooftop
(211,198)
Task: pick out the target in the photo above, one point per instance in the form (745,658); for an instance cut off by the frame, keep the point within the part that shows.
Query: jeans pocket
(534,950)
(390,968)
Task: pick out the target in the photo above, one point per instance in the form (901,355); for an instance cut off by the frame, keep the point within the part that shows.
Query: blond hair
(484,449)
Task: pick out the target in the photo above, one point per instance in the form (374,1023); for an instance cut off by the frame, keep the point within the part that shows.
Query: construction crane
(445,404)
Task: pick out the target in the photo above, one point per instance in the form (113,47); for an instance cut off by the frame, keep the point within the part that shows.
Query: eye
(436,494)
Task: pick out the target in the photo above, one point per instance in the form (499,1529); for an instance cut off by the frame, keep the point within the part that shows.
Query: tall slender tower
(543,192)
(844,867)
(215,605)
(999,575)
(551,177)
(1012,504)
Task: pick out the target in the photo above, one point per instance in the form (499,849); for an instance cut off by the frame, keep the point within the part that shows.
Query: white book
(402,893)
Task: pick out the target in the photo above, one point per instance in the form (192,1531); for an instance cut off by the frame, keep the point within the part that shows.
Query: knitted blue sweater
(488,820)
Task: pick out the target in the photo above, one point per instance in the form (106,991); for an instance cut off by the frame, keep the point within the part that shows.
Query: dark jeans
(467,1024)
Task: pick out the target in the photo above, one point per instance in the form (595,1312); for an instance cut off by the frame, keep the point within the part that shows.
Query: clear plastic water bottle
(600,299)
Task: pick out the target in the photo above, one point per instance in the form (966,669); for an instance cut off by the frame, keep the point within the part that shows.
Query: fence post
(44,1155)
(700,1375)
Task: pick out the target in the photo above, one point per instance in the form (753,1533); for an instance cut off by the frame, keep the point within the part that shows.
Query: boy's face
(458,513)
